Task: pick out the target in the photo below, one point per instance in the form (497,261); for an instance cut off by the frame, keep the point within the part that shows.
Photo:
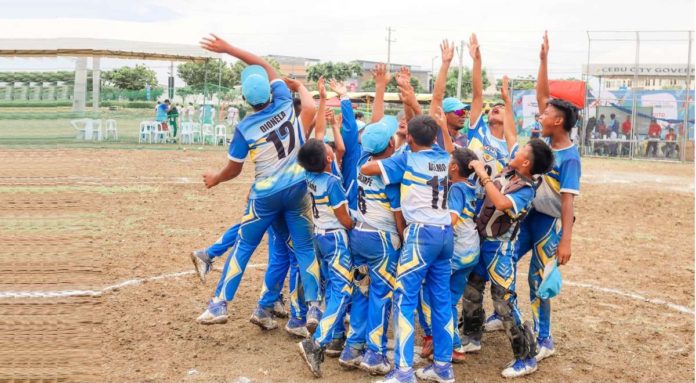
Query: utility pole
(389,41)
(461,64)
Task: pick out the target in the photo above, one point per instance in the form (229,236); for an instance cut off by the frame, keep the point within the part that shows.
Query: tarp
(572,91)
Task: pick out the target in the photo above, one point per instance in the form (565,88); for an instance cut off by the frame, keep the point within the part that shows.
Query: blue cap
(255,86)
(450,104)
(376,136)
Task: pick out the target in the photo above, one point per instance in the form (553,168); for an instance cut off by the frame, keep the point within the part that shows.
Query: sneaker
(520,367)
(437,373)
(545,348)
(202,263)
(297,327)
(313,317)
(263,319)
(470,345)
(427,347)
(458,355)
(335,347)
(374,363)
(398,376)
(279,308)
(493,323)
(216,313)
(350,357)
(313,355)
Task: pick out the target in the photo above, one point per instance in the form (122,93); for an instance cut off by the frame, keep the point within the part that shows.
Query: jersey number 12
(277,136)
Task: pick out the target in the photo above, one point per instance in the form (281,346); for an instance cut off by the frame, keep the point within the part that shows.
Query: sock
(404,369)
(441,364)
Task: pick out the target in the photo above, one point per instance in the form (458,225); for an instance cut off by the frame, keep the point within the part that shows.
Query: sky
(509,31)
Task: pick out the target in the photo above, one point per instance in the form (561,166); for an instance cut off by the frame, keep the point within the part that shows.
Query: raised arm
(382,76)
(476,81)
(509,129)
(338,139)
(320,123)
(439,116)
(499,200)
(307,110)
(542,86)
(447,53)
(407,94)
(218,45)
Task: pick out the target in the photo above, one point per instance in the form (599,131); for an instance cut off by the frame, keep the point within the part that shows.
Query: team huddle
(398,220)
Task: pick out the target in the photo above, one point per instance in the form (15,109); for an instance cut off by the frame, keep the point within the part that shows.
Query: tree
(239,66)
(518,84)
(193,73)
(451,88)
(131,78)
(339,71)
(369,85)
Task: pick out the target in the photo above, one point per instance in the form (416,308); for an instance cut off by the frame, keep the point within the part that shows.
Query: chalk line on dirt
(139,281)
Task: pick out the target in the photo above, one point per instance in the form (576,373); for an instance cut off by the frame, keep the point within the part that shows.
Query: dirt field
(86,219)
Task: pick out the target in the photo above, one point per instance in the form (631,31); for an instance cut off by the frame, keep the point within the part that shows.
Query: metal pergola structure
(636,39)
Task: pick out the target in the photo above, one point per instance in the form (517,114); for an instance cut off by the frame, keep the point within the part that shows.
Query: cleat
(297,327)
(279,308)
(263,319)
(398,376)
(427,347)
(313,355)
(470,345)
(350,357)
(437,373)
(374,363)
(458,355)
(216,313)
(493,323)
(545,348)
(202,263)
(335,347)
(313,317)
(520,367)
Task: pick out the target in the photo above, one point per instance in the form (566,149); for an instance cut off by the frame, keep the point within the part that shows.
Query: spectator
(360,120)
(626,126)
(189,111)
(654,132)
(173,118)
(613,124)
(602,127)
(536,127)
(161,115)
(232,116)
(671,148)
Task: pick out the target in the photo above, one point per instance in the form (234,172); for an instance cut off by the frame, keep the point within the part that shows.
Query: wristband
(484,181)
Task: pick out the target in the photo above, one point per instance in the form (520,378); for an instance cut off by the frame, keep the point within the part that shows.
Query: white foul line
(139,281)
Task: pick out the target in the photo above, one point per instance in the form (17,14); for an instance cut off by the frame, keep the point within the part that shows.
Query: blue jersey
(161,112)
(272,136)
(492,151)
(377,201)
(327,195)
(521,202)
(563,178)
(462,202)
(424,184)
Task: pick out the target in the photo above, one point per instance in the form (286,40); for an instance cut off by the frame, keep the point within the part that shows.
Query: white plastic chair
(145,132)
(186,133)
(97,130)
(221,134)
(111,129)
(207,132)
(196,131)
(160,134)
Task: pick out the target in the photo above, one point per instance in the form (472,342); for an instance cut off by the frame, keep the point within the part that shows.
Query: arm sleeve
(520,201)
(349,133)
(393,168)
(570,176)
(455,200)
(280,90)
(239,148)
(337,196)
(394,196)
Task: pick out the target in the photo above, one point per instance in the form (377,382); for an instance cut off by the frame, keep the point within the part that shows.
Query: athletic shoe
(374,363)
(263,319)
(202,263)
(216,313)
(493,323)
(437,373)
(545,348)
(335,347)
(313,317)
(458,355)
(297,327)
(427,347)
(279,308)
(313,355)
(398,376)
(520,367)
(470,345)
(350,357)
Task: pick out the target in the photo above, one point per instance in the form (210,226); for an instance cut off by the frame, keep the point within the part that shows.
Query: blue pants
(541,234)
(464,261)
(288,210)
(426,255)
(332,249)
(226,241)
(369,315)
(424,311)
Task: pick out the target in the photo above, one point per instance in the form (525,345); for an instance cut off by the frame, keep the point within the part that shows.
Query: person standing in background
(654,133)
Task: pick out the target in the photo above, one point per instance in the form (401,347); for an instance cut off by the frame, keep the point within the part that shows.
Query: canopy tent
(82,48)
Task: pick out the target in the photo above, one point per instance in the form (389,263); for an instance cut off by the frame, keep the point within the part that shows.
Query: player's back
(424,187)
(376,201)
(327,194)
(563,177)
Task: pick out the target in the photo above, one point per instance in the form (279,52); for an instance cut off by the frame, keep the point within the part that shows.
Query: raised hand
(544,52)
(293,84)
(404,73)
(321,87)
(381,74)
(215,44)
(447,51)
(474,50)
(439,116)
(505,90)
(338,87)
(330,117)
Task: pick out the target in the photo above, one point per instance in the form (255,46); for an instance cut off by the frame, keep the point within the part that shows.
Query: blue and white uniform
(278,197)
(491,150)
(331,243)
(427,251)
(541,231)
